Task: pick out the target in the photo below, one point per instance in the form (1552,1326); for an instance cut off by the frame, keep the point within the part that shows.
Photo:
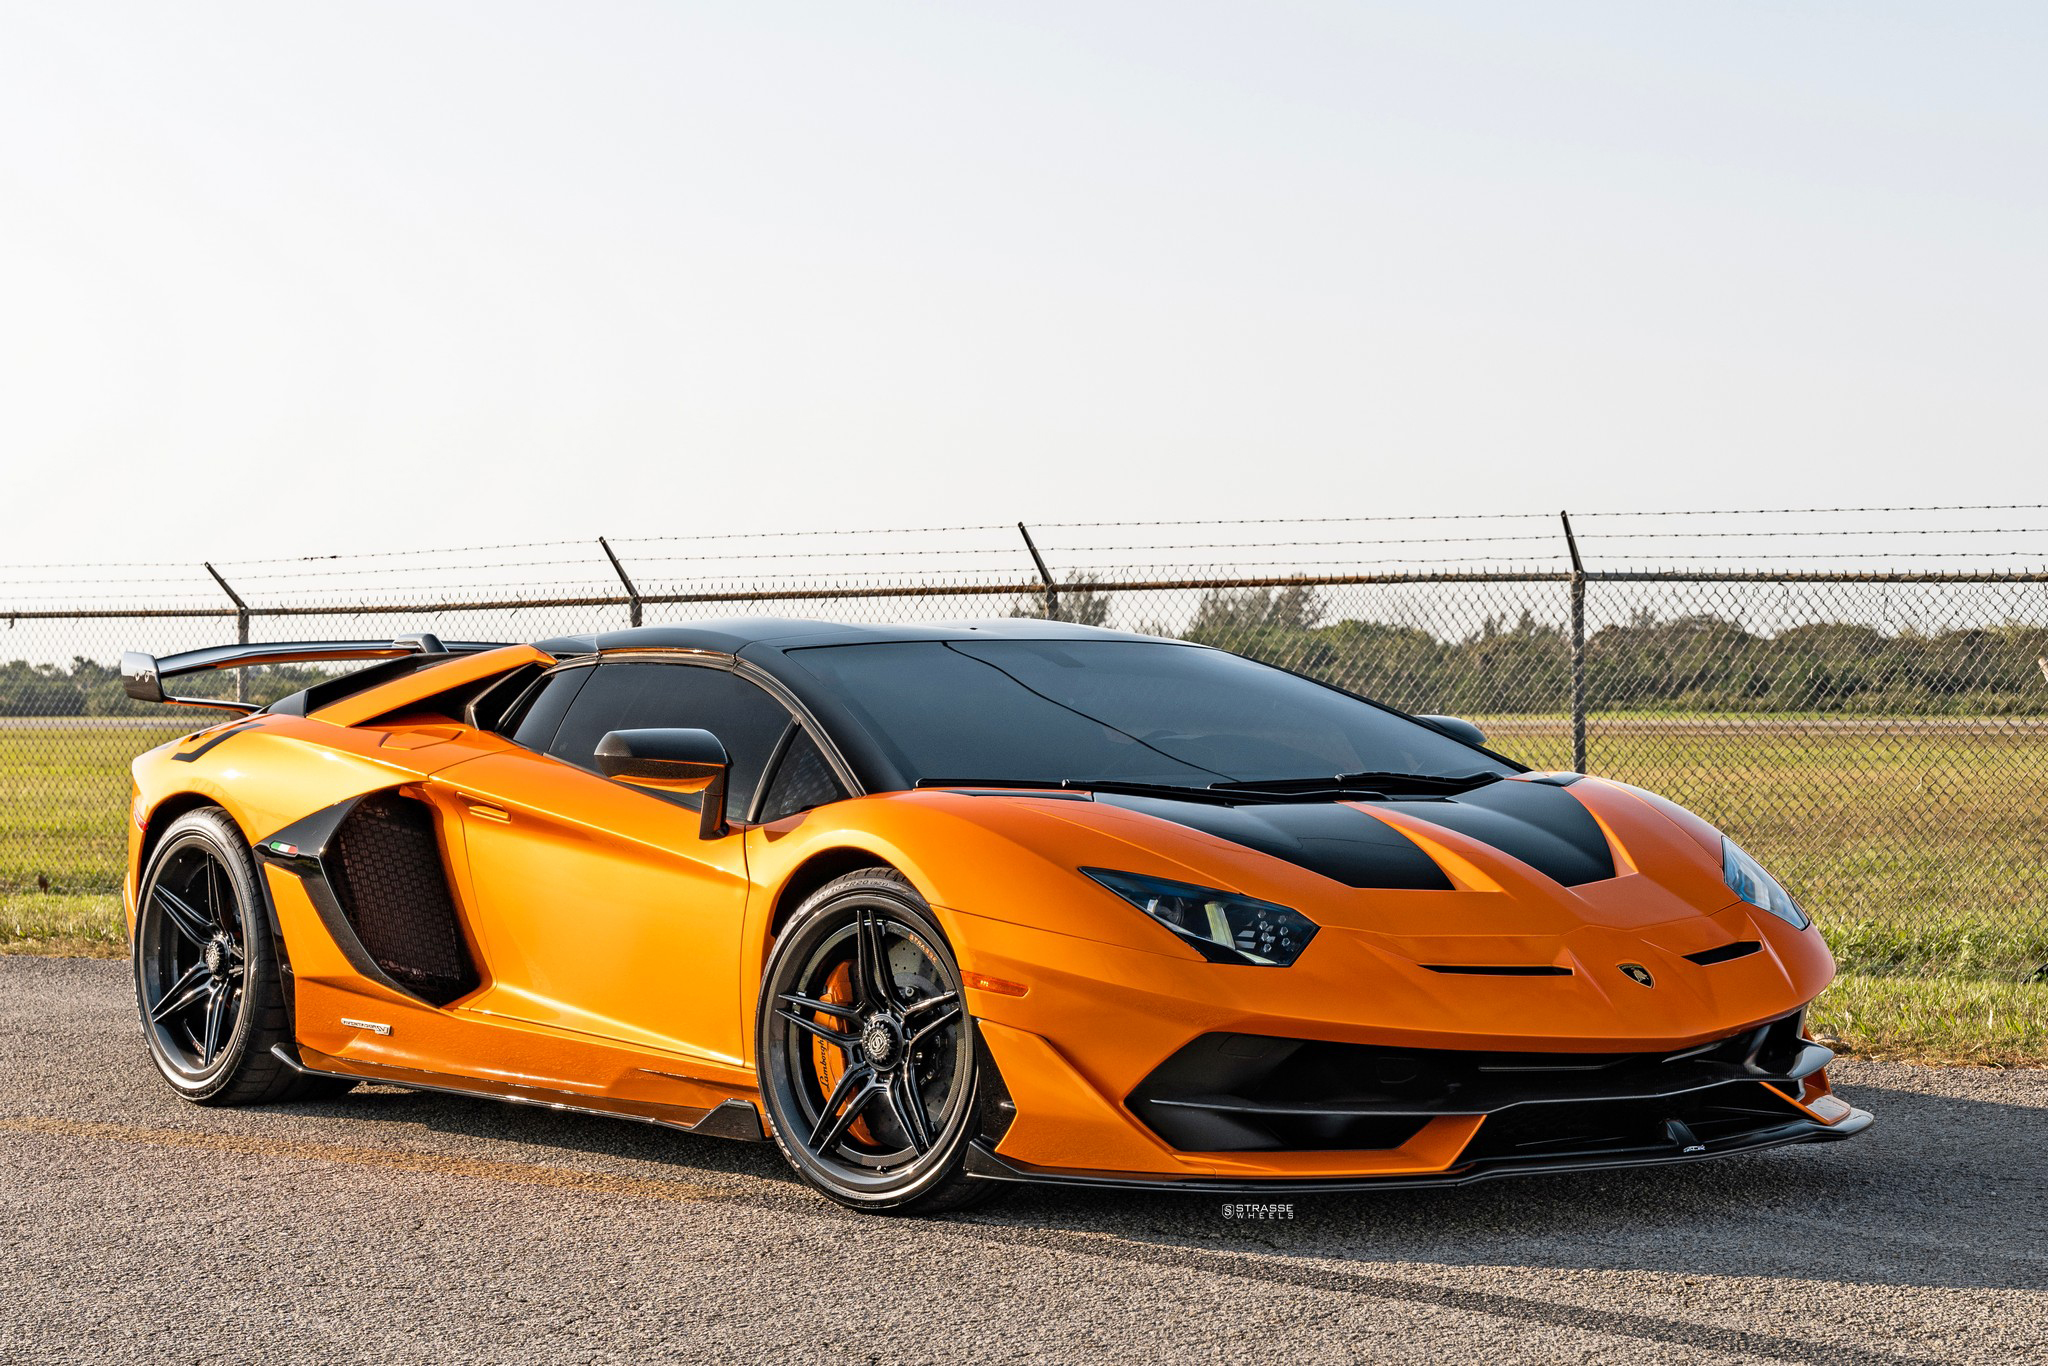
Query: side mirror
(671,760)
(1457,728)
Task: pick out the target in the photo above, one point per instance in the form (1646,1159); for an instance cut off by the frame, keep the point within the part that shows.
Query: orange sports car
(941,908)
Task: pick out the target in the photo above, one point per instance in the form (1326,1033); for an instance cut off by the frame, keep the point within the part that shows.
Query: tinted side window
(802,780)
(541,714)
(634,696)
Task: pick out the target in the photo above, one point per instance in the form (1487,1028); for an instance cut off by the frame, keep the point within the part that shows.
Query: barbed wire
(1829,531)
(1009,528)
(1777,512)
(1303,521)
(396,554)
(728,557)
(602,570)
(2038,553)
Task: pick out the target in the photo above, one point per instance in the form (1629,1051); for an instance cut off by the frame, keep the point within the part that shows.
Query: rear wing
(143,676)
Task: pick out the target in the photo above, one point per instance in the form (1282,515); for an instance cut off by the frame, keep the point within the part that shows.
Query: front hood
(1532,854)
(1537,900)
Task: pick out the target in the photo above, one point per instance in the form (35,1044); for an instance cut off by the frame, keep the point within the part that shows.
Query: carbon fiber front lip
(983,1162)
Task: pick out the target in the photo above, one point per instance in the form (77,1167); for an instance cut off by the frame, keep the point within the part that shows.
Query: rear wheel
(206,980)
(867,1056)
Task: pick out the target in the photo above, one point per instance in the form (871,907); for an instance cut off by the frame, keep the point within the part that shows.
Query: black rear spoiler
(143,676)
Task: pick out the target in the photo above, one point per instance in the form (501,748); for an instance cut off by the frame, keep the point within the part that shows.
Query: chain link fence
(1877,737)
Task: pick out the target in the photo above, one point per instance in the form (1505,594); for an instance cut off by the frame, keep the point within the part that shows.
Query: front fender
(994,859)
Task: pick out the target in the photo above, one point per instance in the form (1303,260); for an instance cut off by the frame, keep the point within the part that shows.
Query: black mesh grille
(387,874)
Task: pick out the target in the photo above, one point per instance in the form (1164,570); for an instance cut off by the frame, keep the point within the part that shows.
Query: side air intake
(386,871)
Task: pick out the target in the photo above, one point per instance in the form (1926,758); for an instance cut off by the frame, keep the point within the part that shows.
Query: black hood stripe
(1338,841)
(1543,826)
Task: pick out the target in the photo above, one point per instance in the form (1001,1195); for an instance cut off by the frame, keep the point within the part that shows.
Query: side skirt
(730,1118)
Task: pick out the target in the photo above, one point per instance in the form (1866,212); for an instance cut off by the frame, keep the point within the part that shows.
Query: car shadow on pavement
(542,1130)
(1940,1192)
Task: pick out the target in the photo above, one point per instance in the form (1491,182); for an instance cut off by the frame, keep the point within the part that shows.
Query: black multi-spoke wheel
(206,980)
(866,1052)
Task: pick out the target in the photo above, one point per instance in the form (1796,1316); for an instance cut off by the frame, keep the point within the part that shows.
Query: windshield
(1116,710)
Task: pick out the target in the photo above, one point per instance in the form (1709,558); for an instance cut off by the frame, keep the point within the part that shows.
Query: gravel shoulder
(396,1226)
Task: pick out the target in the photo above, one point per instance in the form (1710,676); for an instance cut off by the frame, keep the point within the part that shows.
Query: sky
(283,278)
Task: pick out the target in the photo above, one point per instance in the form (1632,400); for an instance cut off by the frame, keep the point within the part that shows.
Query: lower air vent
(1251,1093)
(385,867)
(1482,970)
(1741,948)
(1598,1128)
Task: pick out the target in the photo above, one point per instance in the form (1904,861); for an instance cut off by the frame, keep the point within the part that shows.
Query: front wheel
(867,1056)
(206,978)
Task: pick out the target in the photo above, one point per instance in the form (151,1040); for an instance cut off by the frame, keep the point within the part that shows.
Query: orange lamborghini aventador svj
(936,909)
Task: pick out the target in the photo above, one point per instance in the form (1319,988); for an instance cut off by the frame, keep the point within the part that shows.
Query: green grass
(1935,1019)
(64,802)
(1973,948)
(1922,850)
(54,926)
(1958,989)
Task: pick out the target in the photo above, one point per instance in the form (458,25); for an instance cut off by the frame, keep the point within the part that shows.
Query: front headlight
(1748,880)
(1222,926)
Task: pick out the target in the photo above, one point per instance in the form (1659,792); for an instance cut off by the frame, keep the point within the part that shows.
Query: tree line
(86,687)
(1688,662)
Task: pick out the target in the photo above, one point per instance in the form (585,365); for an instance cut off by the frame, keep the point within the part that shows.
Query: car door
(600,909)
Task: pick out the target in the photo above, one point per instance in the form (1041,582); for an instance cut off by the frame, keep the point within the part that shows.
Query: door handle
(496,814)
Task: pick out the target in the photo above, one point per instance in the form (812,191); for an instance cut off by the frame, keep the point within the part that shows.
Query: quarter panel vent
(386,870)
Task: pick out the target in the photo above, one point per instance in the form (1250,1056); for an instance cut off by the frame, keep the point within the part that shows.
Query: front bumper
(1236,1112)
(1099,1022)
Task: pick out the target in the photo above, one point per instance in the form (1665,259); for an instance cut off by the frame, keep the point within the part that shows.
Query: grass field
(64,800)
(1920,846)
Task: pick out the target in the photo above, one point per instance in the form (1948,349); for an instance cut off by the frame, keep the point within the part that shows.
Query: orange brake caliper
(830,1062)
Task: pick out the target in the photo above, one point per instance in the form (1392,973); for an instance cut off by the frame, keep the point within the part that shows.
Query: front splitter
(985,1163)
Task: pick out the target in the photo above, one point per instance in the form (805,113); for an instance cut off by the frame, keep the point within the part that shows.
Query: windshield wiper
(1115,785)
(1372,783)
(1339,787)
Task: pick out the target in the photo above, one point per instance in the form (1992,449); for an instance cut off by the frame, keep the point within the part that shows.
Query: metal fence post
(241,629)
(632,593)
(1052,592)
(1578,647)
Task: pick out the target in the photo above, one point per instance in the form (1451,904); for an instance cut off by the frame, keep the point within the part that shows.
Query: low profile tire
(868,1060)
(206,980)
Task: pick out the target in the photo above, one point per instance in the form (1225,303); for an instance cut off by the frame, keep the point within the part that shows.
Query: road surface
(396,1226)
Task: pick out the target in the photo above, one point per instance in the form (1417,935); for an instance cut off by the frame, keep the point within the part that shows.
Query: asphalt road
(395,1226)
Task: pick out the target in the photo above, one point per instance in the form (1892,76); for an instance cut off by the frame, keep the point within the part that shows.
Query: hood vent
(1741,948)
(1482,970)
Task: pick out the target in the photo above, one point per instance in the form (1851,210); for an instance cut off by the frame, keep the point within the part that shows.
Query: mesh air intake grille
(387,874)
